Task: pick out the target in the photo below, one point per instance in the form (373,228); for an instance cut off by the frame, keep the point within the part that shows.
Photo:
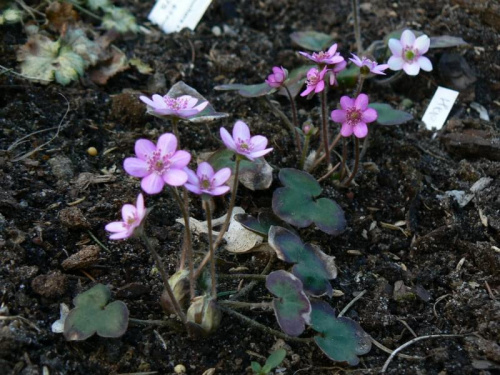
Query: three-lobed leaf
(390,116)
(298,204)
(341,339)
(292,307)
(312,266)
(93,314)
(312,40)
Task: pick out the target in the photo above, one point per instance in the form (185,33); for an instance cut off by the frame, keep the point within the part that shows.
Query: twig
(252,284)
(348,306)
(22,318)
(97,241)
(407,327)
(437,301)
(242,276)
(389,351)
(161,323)
(490,293)
(411,342)
(246,305)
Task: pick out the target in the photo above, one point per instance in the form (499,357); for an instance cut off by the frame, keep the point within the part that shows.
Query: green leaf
(119,19)
(292,307)
(446,41)
(341,339)
(247,91)
(261,224)
(312,40)
(349,77)
(312,266)
(92,314)
(96,4)
(274,360)
(390,116)
(69,66)
(256,175)
(256,368)
(298,205)
(37,57)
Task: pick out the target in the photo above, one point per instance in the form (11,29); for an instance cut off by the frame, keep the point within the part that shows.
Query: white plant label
(174,15)
(439,108)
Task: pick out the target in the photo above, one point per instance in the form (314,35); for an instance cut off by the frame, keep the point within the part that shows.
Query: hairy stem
(164,276)
(246,305)
(324,126)
(356,162)
(344,158)
(175,129)
(357,26)
(295,119)
(334,143)
(305,149)
(206,206)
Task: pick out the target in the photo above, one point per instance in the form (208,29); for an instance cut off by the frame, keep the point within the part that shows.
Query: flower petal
(144,148)
(192,177)
(422,44)
(340,66)
(152,184)
(361,102)
(167,144)
(259,142)
(332,49)
(339,115)
(180,159)
(128,211)
(227,139)
(186,113)
(396,47)
(164,111)
(175,177)
(258,154)
(221,176)
(219,190)
(411,69)
(346,102)
(200,107)
(136,167)
(369,115)
(193,188)
(146,100)
(120,235)
(360,130)
(115,226)
(407,38)
(241,131)
(319,87)
(346,130)
(395,63)
(191,100)
(307,91)
(159,102)
(205,169)
(425,63)
(379,69)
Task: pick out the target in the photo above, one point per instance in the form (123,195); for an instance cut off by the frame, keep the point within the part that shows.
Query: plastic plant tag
(439,108)
(174,15)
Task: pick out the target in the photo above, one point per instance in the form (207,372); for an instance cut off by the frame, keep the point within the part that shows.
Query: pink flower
(368,66)
(132,219)
(407,53)
(354,116)
(315,81)
(278,77)
(158,165)
(206,181)
(329,57)
(182,107)
(242,143)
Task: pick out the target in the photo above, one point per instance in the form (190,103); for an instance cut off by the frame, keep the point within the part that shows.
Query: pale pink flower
(132,219)
(407,53)
(329,57)
(158,165)
(278,77)
(354,116)
(182,107)
(335,69)
(315,81)
(207,181)
(368,66)
(243,143)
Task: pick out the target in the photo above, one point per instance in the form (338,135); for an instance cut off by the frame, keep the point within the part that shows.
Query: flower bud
(278,77)
(203,315)
(308,129)
(179,282)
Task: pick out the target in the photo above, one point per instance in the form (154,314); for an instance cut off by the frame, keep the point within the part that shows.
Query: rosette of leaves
(313,267)
(291,307)
(341,339)
(298,204)
(93,314)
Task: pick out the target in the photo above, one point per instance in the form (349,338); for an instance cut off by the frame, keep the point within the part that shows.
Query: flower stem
(361,81)
(325,127)
(246,305)
(228,218)
(175,129)
(166,285)
(356,162)
(294,118)
(305,149)
(206,206)
(344,158)
(357,26)
(329,173)
(187,249)
(330,148)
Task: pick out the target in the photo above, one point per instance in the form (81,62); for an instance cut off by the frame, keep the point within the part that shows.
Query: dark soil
(437,274)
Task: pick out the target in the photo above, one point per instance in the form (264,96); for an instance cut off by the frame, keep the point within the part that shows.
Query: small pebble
(92,151)
(180,369)
(216,31)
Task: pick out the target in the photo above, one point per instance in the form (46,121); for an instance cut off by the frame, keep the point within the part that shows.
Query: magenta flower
(329,57)
(278,77)
(407,53)
(354,116)
(206,181)
(315,81)
(242,143)
(368,66)
(132,219)
(158,165)
(182,107)
(336,69)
